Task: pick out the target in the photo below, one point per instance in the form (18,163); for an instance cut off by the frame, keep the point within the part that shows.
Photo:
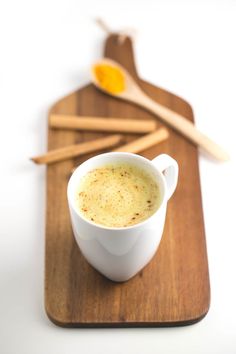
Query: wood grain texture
(173,289)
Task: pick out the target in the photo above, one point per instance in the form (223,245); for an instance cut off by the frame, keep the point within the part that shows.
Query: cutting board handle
(122,52)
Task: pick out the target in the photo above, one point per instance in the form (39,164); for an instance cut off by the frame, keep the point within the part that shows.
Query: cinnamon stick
(77,149)
(101,124)
(144,142)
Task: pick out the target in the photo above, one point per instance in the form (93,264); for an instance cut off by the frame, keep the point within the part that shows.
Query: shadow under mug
(120,253)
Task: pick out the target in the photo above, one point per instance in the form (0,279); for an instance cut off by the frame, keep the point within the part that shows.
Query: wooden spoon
(134,93)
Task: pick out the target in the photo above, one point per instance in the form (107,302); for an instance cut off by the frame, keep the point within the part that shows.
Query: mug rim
(135,156)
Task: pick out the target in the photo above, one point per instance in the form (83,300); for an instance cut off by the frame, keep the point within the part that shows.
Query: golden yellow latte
(118,195)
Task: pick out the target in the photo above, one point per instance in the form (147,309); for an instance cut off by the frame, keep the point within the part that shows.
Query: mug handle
(169,167)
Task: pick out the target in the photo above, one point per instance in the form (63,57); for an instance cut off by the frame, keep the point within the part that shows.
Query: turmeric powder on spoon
(110,78)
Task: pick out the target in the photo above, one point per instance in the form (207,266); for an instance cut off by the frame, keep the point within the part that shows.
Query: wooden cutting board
(173,289)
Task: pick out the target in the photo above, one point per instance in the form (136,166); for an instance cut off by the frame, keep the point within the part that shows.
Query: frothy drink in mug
(117,204)
(118,195)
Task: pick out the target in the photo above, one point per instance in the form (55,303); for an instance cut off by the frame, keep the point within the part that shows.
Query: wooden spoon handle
(183,126)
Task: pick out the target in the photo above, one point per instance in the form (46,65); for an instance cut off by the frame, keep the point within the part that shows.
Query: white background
(46,48)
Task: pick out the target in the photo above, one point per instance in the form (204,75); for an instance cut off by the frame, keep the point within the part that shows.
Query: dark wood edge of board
(189,322)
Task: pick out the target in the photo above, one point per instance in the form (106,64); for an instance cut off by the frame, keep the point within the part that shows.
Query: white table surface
(46,48)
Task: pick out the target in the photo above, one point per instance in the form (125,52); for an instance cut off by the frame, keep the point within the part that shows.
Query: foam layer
(117,195)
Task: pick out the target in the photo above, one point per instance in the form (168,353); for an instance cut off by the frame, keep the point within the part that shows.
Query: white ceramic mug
(120,253)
